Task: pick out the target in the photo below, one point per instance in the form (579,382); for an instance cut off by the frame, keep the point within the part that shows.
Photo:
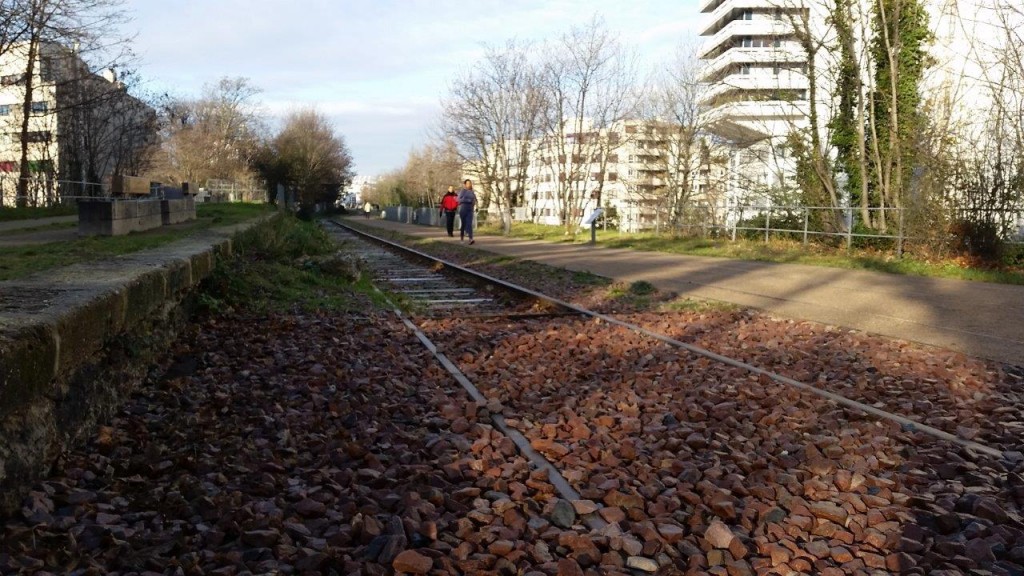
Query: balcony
(781,55)
(714,21)
(763,27)
(758,111)
(749,82)
(709,5)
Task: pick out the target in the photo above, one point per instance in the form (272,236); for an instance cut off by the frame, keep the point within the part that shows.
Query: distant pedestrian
(449,204)
(467,203)
(367,208)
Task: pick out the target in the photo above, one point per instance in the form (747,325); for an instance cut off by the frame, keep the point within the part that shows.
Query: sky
(377,68)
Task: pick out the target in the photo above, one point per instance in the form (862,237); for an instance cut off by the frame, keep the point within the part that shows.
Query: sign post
(591,220)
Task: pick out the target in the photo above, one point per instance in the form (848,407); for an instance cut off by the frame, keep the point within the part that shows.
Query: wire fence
(47,192)
(41,192)
(846,224)
(843,225)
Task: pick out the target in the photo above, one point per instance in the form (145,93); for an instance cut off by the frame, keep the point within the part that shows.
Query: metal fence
(807,222)
(802,223)
(45,192)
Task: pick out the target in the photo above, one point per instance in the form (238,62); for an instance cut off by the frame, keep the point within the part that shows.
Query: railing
(803,222)
(765,221)
(46,191)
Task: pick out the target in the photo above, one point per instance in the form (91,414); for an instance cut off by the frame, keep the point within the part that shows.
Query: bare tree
(686,155)
(315,159)
(216,136)
(591,85)
(493,113)
(431,169)
(104,129)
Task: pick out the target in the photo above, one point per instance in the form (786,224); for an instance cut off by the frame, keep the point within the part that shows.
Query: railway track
(602,441)
(395,271)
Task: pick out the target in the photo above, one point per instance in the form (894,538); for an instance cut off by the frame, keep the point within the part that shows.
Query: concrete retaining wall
(57,330)
(178,210)
(118,217)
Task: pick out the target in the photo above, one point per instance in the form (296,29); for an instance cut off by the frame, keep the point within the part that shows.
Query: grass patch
(281,265)
(20,261)
(43,228)
(699,306)
(9,213)
(783,251)
(227,213)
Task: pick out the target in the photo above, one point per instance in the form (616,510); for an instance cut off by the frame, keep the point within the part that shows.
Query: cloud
(343,108)
(377,68)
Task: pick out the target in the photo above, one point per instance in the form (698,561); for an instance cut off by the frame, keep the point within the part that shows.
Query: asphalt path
(977,318)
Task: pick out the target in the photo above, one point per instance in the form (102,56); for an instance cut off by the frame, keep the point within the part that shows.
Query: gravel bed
(735,475)
(305,444)
(968,397)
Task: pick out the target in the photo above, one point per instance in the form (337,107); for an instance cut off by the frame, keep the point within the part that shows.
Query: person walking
(467,203)
(449,204)
(367,208)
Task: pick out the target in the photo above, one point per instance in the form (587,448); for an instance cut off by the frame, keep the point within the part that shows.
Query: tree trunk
(24,172)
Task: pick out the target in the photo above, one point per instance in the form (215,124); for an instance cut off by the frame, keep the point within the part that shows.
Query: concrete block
(176,211)
(118,217)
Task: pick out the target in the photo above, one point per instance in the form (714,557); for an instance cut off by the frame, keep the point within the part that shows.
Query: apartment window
(775,70)
(747,14)
(12,79)
(46,69)
(778,13)
(745,69)
(747,42)
(613,176)
(8,166)
(5,109)
(777,43)
(40,107)
(38,136)
(613,158)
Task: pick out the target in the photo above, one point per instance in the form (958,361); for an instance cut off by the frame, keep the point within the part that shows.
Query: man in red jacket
(449,204)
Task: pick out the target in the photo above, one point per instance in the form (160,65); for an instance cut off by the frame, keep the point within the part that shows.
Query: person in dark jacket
(449,204)
(467,203)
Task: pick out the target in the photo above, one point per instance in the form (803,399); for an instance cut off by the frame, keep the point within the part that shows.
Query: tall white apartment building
(756,73)
(758,90)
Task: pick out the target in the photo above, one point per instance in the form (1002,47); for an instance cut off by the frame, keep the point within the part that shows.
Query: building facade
(757,73)
(632,170)
(82,127)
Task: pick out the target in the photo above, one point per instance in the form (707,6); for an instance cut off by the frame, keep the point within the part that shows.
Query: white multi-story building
(756,73)
(627,168)
(758,89)
(82,127)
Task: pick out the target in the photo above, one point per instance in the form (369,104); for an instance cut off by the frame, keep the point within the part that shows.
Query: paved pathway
(980,319)
(35,223)
(38,231)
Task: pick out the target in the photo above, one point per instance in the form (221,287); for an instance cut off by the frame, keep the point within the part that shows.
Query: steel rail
(903,421)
